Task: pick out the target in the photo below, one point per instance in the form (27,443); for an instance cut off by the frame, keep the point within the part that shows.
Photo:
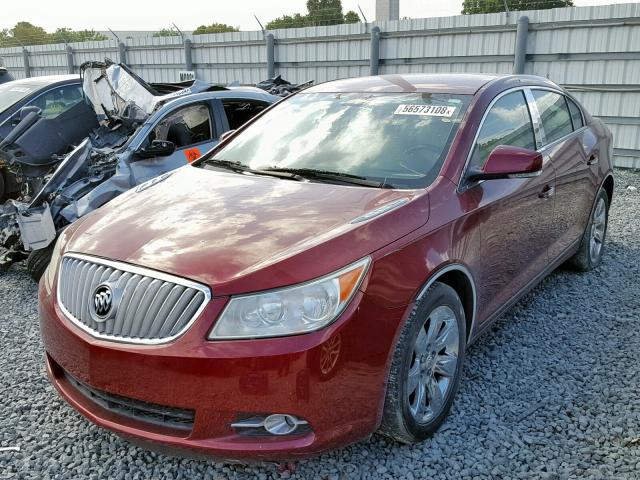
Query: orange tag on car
(192,154)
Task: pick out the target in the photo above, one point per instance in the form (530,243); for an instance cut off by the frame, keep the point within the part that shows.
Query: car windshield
(11,94)
(399,140)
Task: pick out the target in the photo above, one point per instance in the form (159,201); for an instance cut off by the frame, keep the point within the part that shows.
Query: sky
(148,15)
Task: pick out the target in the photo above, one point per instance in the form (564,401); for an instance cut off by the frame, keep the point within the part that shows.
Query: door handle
(547,191)
(593,159)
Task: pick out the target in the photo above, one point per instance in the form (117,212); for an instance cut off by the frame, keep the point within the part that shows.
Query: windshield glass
(10,94)
(399,139)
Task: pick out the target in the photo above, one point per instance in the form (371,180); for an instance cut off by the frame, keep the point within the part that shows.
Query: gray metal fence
(593,51)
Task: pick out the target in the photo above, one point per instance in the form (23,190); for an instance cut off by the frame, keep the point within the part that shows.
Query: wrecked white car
(142,135)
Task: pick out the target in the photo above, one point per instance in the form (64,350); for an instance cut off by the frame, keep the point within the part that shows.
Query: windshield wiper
(242,168)
(327,175)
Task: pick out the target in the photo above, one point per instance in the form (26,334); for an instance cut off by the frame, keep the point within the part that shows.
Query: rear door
(239,111)
(564,144)
(515,214)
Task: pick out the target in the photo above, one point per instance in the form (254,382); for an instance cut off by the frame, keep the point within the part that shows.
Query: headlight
(52,269)
(291,310)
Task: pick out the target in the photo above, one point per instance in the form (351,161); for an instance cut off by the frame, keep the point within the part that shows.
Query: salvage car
(54,96)
(319,275)
(142,135)
(38,132)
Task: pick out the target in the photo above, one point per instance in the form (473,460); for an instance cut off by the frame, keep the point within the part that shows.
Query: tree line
(25,33)
(319,12)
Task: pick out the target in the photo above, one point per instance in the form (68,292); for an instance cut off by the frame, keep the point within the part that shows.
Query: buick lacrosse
(319,274)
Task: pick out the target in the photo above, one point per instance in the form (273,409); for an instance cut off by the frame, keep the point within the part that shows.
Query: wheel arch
(607,185)
(458,277)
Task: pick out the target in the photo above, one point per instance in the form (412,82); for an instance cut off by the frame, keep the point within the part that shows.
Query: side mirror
(158,148)
(226,135)
(22,114)
(506,161)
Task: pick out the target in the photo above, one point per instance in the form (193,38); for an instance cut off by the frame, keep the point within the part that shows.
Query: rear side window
(240,111)
(554,114)
(576,115)
(507,123)
(185,126)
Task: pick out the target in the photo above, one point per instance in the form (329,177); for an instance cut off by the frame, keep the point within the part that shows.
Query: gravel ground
(551,391)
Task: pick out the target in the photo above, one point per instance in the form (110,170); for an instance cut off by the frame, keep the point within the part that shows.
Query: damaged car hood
(224,229)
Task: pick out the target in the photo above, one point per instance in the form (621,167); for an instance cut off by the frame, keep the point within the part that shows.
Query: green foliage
(288,21)
(351,17)
(166,32)
(25,33)
(67,35)
(319,12)
(214,28)
(494,6)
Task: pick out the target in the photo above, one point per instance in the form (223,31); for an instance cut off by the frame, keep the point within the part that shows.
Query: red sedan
(319,275)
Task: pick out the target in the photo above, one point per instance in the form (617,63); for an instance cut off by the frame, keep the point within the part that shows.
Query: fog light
(274,424)
(280,424)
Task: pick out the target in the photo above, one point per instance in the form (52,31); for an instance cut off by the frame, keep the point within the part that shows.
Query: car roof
(454,83)
(45,80)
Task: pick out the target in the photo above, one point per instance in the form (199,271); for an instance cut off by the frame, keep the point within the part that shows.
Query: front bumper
(223,381)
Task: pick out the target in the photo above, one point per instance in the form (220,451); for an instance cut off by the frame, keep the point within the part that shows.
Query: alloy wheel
(433,364)
(598,228)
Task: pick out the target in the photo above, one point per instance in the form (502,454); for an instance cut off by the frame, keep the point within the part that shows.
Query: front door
(515,214)
(191,129)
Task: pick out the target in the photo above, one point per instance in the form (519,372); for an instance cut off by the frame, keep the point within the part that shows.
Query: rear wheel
(591,249)
(426,367)
(38,260)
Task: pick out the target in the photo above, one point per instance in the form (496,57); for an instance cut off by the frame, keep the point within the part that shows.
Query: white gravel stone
(551,391)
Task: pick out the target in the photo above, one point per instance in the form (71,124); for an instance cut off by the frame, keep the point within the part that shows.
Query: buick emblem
(103,303)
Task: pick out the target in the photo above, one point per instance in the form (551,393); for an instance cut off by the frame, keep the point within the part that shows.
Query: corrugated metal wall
(592,51)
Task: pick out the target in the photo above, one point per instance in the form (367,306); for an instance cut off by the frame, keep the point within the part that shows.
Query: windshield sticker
(428,110)
(20,89)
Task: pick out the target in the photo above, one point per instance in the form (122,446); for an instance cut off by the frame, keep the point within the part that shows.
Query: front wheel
(591,249)
(426,367)
(38,260)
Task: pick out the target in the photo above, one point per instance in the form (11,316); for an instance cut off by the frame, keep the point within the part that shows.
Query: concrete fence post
(70,63)
(188,59)
(520,54)
(374,58)
(25,62)
(122,52)
(271,57)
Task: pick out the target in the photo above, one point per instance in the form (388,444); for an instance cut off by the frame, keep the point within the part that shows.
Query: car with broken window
(319,275)
(141,135)
(54,97)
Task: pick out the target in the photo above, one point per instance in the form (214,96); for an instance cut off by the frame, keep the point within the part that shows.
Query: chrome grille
(152,308)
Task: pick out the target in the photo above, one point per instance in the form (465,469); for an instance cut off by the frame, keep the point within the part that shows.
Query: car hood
(240,233)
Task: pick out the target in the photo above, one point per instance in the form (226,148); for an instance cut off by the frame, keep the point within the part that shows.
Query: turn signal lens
(291,310)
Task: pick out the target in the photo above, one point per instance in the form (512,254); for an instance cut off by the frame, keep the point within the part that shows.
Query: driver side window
(185,126)
(507,123)
(58,100)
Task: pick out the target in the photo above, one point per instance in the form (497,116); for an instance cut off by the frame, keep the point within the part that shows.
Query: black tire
(585,260)
(397,421)
(38,260)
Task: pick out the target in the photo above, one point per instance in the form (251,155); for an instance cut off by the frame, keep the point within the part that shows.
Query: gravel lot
(551,391)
